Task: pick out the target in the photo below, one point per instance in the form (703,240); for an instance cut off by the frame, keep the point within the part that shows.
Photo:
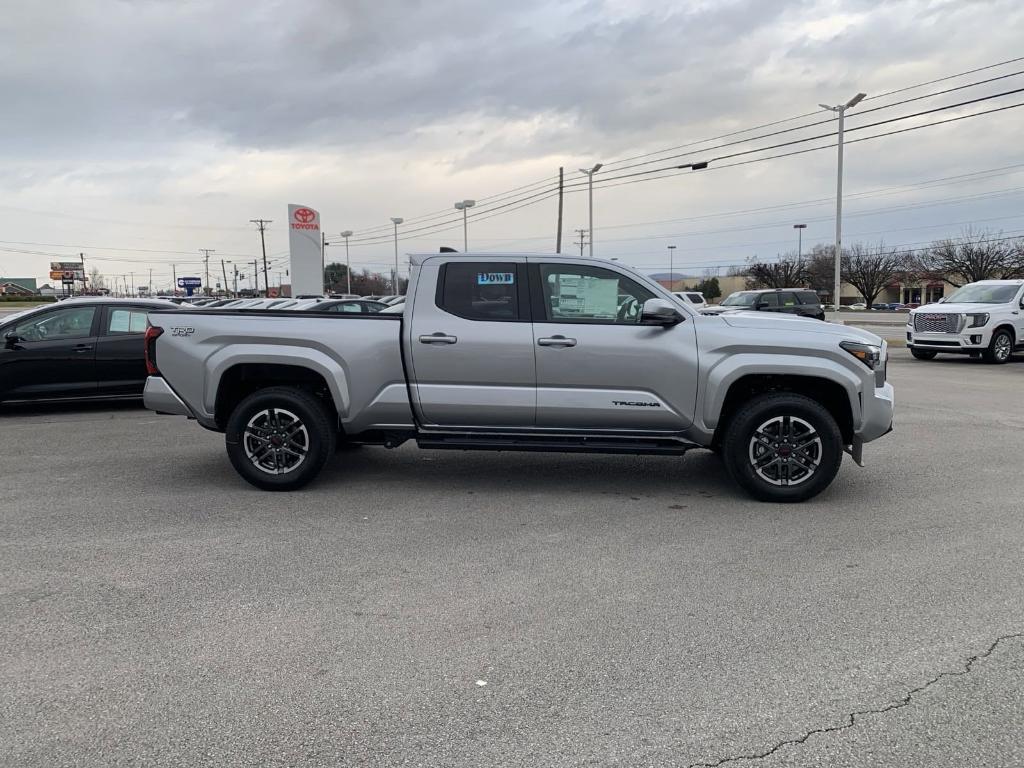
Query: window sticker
(495,278)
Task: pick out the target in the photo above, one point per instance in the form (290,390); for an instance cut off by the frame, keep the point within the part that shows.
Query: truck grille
(933,323)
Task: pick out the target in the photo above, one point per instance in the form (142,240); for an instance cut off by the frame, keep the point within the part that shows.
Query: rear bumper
(159,397)
(877,413)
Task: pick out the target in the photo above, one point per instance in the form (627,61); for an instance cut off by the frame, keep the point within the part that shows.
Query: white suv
(983,319)
(693,298)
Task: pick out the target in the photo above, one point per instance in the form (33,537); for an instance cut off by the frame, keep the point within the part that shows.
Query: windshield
(980,293)
(740,299)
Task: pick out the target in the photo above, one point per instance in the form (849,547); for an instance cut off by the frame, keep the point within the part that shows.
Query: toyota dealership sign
(306,247)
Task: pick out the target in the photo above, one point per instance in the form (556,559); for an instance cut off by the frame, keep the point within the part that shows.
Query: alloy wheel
(785,450)
(276,441)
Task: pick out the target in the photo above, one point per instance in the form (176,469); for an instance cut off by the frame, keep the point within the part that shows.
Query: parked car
(79,348)
(693,298)
(860,306)
(983,319)
(354,306)
(789,301)
(527,353)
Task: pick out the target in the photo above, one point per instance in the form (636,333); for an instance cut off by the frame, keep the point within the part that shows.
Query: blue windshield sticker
(495,278)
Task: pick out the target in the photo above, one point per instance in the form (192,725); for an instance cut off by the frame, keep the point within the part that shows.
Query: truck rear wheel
(279,438)
(783,447)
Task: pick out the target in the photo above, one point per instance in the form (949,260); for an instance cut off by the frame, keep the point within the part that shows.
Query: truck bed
(358,356)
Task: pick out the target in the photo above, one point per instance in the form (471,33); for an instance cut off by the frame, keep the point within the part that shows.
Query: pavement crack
(850,719)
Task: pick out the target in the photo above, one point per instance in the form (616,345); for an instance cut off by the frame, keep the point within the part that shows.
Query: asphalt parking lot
(444,608)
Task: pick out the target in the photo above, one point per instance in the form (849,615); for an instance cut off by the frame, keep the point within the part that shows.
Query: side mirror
(11,339)
(659,312)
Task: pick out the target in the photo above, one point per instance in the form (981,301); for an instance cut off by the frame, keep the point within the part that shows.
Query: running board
(556,443)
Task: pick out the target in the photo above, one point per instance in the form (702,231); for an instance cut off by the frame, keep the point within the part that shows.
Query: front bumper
(967,340)
(159,397)
(876,413)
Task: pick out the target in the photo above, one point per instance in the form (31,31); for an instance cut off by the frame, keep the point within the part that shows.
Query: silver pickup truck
(523,352)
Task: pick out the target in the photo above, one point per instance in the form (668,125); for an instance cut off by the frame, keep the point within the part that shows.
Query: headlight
(868,354)
(977,319)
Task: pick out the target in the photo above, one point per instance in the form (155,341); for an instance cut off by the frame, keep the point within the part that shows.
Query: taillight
(152,334)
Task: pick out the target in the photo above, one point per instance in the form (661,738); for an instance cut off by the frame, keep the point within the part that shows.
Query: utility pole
(262,224)
(81,257)
(235,268)
(671,267)
(840,110)
(132,275)
(561,193)
(174,279)
(206,266)
(224,272)
(582,241)
(255,277)
(149,288)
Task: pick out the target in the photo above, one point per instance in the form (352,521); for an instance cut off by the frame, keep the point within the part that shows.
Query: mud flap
(856,451)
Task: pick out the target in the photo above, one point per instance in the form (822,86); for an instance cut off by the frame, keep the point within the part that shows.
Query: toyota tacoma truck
(526,353)
(982,319)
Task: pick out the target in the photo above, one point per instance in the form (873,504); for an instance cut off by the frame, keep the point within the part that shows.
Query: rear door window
(696,298)
(125,320)
(807,297)
(769,300)
(787,300)
(485,291)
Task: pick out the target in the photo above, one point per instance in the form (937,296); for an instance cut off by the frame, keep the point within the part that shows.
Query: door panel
(120,360)
(618,374)
(471,346)
(55,358)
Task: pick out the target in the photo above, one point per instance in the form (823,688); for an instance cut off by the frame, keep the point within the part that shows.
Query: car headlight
(977,319)
(868,354)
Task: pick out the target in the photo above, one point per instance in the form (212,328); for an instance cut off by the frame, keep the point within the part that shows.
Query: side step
(556,443)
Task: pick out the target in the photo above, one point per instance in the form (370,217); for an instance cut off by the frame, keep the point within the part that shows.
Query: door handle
(438,338)
(83,348)
(556,341)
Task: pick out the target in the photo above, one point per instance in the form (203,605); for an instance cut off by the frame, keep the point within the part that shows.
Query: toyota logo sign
(304,215)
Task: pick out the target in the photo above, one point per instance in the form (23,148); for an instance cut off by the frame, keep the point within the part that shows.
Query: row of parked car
(337,303)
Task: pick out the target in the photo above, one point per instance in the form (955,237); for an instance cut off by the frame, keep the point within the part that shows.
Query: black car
(355,306)
(791,301)
(79,348)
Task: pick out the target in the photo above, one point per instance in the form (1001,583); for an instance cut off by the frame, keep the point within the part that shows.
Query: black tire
(1000,348)
(275,427)
(923,354)
(782,420)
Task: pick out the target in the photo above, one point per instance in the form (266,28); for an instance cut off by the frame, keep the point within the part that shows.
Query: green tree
(709,287)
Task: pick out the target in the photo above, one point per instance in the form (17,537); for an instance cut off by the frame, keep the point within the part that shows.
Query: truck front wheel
(783,447)
(279,438)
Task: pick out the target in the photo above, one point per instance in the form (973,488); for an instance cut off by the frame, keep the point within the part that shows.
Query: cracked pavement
(622,611)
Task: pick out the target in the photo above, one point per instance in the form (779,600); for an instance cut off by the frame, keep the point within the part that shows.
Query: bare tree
(975,255)
(788,271)
(870,270)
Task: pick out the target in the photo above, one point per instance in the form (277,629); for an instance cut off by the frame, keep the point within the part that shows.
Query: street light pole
(671,267)
(464,206)
(590,195)
(840,110)
(799,239)
(396,220)
(348,267)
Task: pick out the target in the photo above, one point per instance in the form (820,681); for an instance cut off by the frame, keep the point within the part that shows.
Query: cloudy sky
(139,132)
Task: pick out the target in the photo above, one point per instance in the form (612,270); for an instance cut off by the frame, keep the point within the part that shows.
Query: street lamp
(396,220)
(464,206)
(799,239)
(590,191)
(671,267)
(348,267)
(840,110)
